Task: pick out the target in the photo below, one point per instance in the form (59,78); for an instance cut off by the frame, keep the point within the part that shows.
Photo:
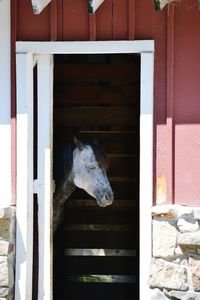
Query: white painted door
(26,185)
(32,179)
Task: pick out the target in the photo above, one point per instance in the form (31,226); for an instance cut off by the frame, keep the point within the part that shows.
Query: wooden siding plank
(98,252)
(111,141)
(122,212)
(97,94)
(94,278)
(92,27)
(88,116)
(100,239)
(131,19)
(75,20)
(53,21)
(122,190)
(45,110)
(24,213)
(170,107)
(93,72)
(120,19)
(32,27)
(104,21)
(83,291)
(100,265)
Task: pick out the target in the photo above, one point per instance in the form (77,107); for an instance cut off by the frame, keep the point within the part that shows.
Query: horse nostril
(109,197)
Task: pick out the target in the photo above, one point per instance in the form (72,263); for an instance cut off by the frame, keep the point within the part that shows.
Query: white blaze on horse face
(89,176)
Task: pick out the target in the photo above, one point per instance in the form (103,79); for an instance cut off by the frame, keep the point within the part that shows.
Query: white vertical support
(45,111)
(5,100)
(146,169)
(24,214)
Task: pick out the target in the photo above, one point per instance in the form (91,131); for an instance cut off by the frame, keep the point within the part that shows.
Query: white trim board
(99,47)
(146,50)
(5,102)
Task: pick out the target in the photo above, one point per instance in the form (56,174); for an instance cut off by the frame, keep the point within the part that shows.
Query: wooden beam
(93,5)
(39,5)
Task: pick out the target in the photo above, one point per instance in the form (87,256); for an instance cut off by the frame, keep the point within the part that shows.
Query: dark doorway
(96,249)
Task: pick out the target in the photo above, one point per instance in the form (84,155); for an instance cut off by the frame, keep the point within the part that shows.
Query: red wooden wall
(176,32)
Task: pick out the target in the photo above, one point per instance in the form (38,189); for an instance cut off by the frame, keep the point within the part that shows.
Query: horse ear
(78,143)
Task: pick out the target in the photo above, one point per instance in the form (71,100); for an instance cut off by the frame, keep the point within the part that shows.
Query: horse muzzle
(106,199)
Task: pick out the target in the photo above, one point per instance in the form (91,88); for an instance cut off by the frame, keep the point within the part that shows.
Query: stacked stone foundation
(7,252)
(175,266)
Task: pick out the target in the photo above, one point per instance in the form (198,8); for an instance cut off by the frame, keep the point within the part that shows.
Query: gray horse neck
(59,199)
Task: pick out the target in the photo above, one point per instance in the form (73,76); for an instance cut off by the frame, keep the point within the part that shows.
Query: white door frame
(43,51)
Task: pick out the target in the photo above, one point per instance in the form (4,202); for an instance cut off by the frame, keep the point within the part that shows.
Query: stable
(127,76)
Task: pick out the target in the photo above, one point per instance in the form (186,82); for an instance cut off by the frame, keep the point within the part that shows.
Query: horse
(81,165)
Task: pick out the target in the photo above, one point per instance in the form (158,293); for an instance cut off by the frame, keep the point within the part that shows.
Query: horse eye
(91,166)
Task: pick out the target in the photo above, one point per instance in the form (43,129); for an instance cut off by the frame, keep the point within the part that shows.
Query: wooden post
(146,168)
(44,182)
(24,213)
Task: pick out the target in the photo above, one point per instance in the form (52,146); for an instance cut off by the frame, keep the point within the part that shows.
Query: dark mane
(62,163)
(100,155)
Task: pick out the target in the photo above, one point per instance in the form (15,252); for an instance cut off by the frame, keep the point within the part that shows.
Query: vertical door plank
(45,104)
(146,168)
(24,217)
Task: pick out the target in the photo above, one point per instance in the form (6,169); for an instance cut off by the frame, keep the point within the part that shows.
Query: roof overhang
(93,5)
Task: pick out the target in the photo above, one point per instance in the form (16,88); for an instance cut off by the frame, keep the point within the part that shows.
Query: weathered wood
(89,290)
(111,141)
(110,113)
(102,278)
(100,239)
(96,94)
(100,265)
(95,116)
(99,252)
(123,189)
(96,72)
(99,227)
(90,203)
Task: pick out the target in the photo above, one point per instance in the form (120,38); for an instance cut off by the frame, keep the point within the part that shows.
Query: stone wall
(175,266)
(7,252)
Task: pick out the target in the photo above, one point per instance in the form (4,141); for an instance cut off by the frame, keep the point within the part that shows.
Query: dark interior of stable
(96,249)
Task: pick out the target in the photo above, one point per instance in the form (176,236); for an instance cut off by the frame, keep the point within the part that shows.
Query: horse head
(89,171)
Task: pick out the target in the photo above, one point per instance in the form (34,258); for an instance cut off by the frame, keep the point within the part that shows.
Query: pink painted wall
(177,74)
(187,103)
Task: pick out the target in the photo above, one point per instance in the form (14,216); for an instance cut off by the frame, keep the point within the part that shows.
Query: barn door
(34,177)
(98,96)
